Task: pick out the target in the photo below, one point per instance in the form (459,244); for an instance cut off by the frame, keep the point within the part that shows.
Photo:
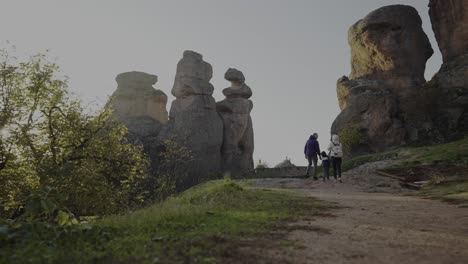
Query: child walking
(326,166)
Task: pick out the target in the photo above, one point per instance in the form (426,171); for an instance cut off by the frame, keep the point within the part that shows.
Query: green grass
(451,192)
(202,225)
(453,153)
(361,160)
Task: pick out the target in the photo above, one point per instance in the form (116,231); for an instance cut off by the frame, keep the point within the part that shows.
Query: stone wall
(278,172)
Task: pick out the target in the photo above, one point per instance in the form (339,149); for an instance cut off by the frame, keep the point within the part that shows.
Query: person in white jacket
(336,153)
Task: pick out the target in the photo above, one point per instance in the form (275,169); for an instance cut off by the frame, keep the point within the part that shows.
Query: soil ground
(376,221)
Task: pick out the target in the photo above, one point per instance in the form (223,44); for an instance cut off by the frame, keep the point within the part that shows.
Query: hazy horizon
(291,53)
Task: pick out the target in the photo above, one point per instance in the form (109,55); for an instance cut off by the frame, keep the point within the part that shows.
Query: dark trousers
(326,172)
(312,160)
(336,166)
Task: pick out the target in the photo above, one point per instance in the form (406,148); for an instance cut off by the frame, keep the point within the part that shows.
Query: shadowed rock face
(136,103)
(238,137)
(372,112)
(450,24)
(389,51)
(389,43)
(194,121)
(450,85)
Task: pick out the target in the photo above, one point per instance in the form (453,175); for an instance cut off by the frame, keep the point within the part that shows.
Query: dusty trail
(377,223)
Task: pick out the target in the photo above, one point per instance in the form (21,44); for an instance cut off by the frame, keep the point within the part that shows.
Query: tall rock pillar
(193,120)
(238,139)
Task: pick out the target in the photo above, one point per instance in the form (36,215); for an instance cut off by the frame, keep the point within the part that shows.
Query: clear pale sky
(291,52)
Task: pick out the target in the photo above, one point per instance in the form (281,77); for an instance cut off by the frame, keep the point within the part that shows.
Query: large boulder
(449,86)
(390,44)
(138,105)
(389,50)
(238,139)
(193,120)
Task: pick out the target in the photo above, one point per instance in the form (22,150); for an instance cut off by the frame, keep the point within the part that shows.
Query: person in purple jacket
(312,151)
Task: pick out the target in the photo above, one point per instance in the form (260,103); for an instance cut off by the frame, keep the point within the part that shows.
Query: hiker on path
(336,153)
(312,151)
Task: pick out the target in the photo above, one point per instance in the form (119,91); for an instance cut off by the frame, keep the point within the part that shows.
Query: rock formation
(449,86)
(212,141)
(138,105)
(238,137)
(389,44)
(194,121)
(450,24)
(389,51)
(386,101)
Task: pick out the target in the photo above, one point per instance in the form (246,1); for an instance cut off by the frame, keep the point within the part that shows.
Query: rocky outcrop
(138,105)
(199,138)
(450,24)
(389,44)
(389,50)
(370,118)
(386,102)
(449,87)
(238,137)
(193,120)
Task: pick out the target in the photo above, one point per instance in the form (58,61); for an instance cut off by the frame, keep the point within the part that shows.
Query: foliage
(262,165)
(350,137)
(48,140)
(173,165)
(200,225)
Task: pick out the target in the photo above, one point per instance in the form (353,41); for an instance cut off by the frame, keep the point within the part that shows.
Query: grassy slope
(202,225)
(454,153)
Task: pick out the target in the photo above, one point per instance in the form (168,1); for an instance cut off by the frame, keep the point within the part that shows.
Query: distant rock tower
(193,119)
(218,136)
(138,105)
(238,138)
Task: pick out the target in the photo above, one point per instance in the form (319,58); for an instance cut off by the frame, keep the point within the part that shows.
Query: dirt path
(376,223)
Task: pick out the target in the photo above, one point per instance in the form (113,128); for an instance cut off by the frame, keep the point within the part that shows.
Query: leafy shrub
(350,137)
(48,140)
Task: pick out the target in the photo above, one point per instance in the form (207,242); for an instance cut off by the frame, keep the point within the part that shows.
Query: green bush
(48,140)
(350,137)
